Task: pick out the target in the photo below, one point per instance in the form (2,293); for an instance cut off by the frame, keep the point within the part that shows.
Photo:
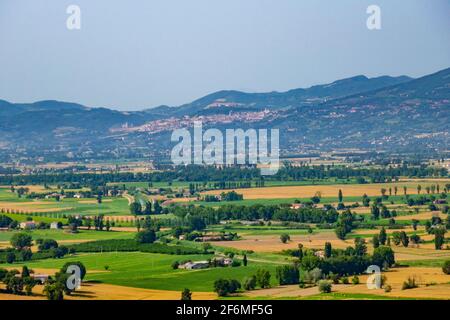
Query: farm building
(192,265)
(297,206)
(41,278)
(54,225)
(28,225)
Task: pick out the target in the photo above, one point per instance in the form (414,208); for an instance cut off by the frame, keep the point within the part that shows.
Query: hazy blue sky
(136,54)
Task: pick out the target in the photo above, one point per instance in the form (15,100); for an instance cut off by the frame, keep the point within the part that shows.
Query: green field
(151,271)
(62,235)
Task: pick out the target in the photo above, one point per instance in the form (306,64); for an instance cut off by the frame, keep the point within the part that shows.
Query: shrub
(446,267)
(10,257)
(186,294)
(409,284)
(345,280)
(47,244)
(325,286)
(287,274)
(175,265)
(146,236)
(387,288)
(236,263)
(312,276)
(225,287)
(285,238)
(263,278)
(250,283)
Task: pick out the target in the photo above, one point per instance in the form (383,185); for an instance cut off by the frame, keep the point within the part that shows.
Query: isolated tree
(439,238)
(21,240)
(375,212)
(375,241)
(395,190)
(415,223)
(157,208)
(405,189)
(383,236)
(366,200)
(419,188)
(328,250)
(244,260)
(340,197)
(404,239)
(148,208)
(285,238)
(186,294)
(360,246)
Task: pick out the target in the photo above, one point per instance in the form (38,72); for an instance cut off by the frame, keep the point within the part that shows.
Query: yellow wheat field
(101,291)
(350,190)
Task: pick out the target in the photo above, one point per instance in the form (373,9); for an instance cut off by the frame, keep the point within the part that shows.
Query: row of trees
(198,173)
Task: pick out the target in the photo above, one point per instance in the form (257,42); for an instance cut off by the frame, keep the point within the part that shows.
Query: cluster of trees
(20,250)
(56,287)
(338,262)
(423,200)
(198,217)
(261,278)
(225,196)
(20,283)
(231,196)
(7,222)
(137,209)
(345,224)
(16,282)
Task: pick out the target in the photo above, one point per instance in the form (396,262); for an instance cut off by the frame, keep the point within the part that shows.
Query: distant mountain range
(384,113)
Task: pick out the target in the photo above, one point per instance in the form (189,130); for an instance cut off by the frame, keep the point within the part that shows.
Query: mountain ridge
(356,112)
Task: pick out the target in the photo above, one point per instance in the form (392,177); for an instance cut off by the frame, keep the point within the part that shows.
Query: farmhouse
(190,265)
(223,261)
(320,254)
(28,225)
(54,225)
